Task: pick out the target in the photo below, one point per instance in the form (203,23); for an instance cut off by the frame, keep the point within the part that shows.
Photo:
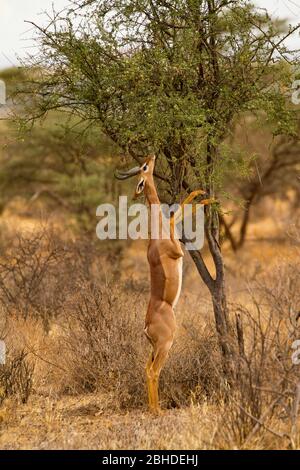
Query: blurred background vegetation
(57,165)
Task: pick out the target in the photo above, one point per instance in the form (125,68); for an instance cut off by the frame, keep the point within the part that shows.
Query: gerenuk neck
(151,193)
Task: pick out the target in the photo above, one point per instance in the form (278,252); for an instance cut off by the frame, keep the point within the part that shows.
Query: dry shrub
(103,343)
(267,381)
(16,377)
(191,373)
(38,270)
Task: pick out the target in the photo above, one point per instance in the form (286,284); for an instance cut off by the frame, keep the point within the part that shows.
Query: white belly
(179,267)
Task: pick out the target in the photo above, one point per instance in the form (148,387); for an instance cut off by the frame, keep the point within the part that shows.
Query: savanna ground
(72,318)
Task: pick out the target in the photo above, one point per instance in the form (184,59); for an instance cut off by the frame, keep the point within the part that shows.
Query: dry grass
(83,422)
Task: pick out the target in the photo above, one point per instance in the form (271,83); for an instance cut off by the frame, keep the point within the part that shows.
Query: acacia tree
(169,76)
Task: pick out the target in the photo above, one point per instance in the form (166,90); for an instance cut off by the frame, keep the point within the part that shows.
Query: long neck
(151,193)
(153,200)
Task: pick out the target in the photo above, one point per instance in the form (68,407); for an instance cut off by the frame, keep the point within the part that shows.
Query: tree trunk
(218,294)
(223,328)
(216,285)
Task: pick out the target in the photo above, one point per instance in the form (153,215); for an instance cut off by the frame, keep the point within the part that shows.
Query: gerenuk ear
(140,186)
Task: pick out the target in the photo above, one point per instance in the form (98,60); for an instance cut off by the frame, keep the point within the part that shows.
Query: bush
(16,377)
(267,381)
(38,271)
(104,343)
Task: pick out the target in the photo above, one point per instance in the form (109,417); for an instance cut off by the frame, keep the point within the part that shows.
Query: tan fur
(165,262)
